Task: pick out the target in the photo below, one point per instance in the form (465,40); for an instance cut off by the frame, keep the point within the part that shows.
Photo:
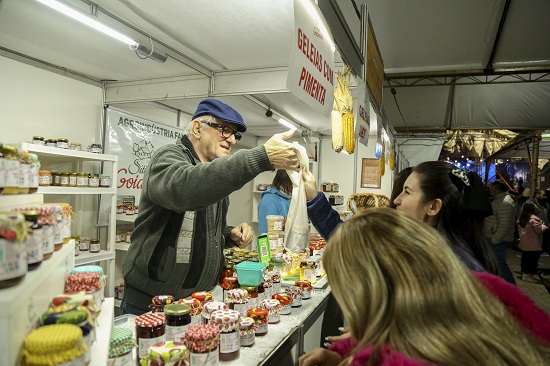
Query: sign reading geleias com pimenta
(310,72)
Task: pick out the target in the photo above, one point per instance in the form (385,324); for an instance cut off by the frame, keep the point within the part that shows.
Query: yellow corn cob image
(349,132)
(382,164)
(337,131)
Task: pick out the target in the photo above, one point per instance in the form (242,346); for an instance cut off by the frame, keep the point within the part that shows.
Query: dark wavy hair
(282,182)
(462,227)
(398,184)
(527,210)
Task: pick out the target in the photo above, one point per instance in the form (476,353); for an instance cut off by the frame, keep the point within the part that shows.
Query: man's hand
(320,356)
(242,235)
(310,185)
(281,153)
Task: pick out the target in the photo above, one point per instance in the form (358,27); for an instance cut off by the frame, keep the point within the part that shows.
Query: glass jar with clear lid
(82,180)
(34,240)
(64,179)
(62,143)
(38,140)
(95,246)
(93,180)
(72,179)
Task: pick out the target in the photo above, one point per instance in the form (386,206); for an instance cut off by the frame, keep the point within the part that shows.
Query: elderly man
(499,227)
(181,230)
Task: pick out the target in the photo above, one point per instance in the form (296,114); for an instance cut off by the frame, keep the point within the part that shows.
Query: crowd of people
(424,275)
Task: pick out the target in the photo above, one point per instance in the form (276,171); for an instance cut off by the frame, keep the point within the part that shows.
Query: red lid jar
(229,324)
(260,316)
(150,329)
(202,341)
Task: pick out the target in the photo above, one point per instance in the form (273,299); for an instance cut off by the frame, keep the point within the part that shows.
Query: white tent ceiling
(425,44)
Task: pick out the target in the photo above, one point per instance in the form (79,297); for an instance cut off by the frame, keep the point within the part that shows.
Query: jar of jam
(93,180)
(120,347)
(202,341)
(55,344)
(276,280)
(229,283)
(62,143)
(306,287)
(105,181)
(159,302)
(11,167)
(238,300)
(247,332)
(24,171)
(77,146)
(295,293)
(56,178)
(209,308)
(51,142)
(307,271)
(84,243)
(178,319)
(196,309)
(203,297)
(268,286)
(261,317)
(261,292)
(229,324)
(252,296)
(166,353)
(150,329)
(38,140)
(72,179)
(13,262)
(34,173)
(95,148)
(129,210)
(82,180)
(64,179)
(44,178)
(95,246)
(120,209)
(274,308)
(227,271)
(34,240)
(285,301)
(76,244)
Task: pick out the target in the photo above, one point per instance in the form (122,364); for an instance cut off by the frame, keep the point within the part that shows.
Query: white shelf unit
(51,156)
(100,348)
(123,218)
(23,304)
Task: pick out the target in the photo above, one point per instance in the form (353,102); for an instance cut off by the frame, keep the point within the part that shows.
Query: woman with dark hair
(398,183)
(276,200)
(454,202)
(530,230)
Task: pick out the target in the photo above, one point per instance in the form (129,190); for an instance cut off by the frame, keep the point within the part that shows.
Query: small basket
(361,201)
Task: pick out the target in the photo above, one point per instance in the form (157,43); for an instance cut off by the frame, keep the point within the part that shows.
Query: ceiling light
(285,123)
(89,21)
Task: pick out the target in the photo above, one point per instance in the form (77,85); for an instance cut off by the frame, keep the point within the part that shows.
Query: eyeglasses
(226,130)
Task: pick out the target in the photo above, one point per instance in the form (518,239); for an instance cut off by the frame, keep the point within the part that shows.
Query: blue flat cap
(221,111)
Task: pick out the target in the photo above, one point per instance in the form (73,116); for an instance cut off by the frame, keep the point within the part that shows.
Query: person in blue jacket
(276,200)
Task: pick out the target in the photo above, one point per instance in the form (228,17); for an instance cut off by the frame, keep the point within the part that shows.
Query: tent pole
(535,165)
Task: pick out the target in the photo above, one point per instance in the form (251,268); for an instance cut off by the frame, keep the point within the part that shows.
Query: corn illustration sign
(342,120)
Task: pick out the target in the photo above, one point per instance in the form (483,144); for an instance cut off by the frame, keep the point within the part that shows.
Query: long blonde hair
(399,284)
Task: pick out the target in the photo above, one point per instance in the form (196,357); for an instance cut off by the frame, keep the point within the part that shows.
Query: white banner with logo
(133,139)
(310,72)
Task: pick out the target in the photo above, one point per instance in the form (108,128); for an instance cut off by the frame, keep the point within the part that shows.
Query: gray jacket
(180,231)
(500,226)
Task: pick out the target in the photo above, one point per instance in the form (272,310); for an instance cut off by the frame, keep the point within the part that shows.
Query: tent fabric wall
(418,150)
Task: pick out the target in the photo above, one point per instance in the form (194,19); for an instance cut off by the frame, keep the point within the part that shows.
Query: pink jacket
(530,236)
(533,319)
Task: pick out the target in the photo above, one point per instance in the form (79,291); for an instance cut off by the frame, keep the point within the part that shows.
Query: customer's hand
(242,235)
(333,339)
(310,184)
(320,356)
(281,153)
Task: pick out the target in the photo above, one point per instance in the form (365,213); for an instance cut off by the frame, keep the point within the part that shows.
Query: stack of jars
(275,232)
(19,171)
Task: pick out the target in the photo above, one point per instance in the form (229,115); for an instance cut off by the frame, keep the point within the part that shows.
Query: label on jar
(62,144)
(206,359)
(230,342)
(24,174)
(57,180)
(145,343)
(175,334)
(84,245)
(33,176)
(241,308)
(38,142)
(44,180)
(12,173)
(13,259)
(253,302)
(82,181)
(64,180)
(261,328)
(51,144)
(278,226)
(124,360)
(285,309)
(98,298)
(274,317)
(34,247)
(72,180)
(58,233)
(95,247)
(93,182)
(47,239)
(248,339)
(105,181)
(66,227)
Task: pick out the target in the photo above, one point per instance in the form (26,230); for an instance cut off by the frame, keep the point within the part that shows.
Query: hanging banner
(310,71)
(133,139)
(362,114)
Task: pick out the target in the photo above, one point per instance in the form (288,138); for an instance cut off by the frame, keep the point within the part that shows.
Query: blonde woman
(410,301)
